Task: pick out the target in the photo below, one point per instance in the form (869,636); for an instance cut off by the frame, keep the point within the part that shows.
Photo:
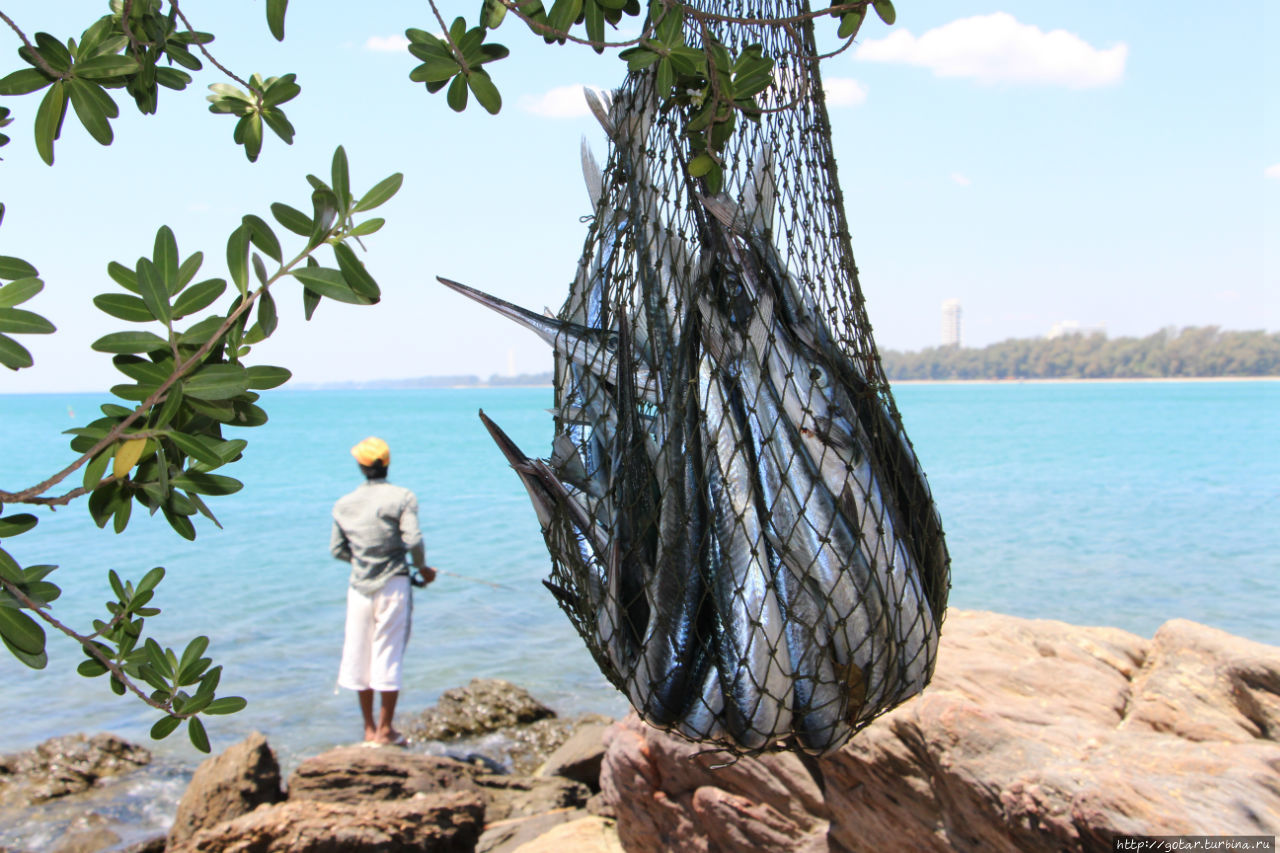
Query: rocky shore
(1034,736)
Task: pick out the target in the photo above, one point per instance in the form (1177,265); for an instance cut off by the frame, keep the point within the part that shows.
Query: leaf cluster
(147,48)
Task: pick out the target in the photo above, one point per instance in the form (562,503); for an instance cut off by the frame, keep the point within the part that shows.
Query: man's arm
(411,534)
(339,547)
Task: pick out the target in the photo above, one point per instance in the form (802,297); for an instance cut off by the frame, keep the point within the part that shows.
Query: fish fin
(600,102)
(591,174)
(761,197)
(713,337)
(726,211)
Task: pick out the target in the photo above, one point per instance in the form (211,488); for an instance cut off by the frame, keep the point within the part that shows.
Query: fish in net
(739,527)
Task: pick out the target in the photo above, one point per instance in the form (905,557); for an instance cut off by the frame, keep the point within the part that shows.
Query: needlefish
(740,529)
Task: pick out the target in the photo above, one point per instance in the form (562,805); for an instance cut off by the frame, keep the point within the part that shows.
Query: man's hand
(428,574)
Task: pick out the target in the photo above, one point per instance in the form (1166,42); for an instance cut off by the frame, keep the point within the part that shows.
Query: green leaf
(369,226)
(15,268)
(884,8)
(206,484)
(266,312)
(21,631)
(261,235)
(154,292)
(341,173)
(195,730)
(292,218)
(355,273)
(164,727)
(484,90)
(381,192)
(24,82)
(14,355)
(123,276)
(129,342)
(10,570)
(53,108)
(42,593)
(226,705)
(188,269)
(216,382)
(36,661)
(165,258)
(263,376)
(330,283)
(851,22)
(310,301)
(96,469)
(101,67)
(122,306)
(19,322)
(325,205)
(191,654)
(89,110)
(150,580)
(92,668)
(275,17)
(197,448)
(238,258)
(457,94)
(143,370)
(198,296)
(700,165)
(16,525)
(18,292)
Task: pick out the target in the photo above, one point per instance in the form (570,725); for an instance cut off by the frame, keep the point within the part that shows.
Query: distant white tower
(951,323)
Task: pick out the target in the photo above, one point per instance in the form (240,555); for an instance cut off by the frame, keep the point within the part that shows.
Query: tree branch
(205,51)
(36,58)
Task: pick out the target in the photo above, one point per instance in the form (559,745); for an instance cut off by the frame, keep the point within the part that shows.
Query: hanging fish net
(738,525)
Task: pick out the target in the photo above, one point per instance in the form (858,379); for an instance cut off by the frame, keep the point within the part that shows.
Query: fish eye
(818,376)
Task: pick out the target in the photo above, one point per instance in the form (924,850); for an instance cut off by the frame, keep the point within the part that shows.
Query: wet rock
(88,833)
(1034,736)
(484,705)
(355,774)
(433,823)
(579,757)
(154,844)
(65,765)
(226,786)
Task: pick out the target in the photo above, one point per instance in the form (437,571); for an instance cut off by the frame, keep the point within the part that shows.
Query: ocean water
(1121,504)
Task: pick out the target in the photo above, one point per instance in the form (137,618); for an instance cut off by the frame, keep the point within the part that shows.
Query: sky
(1110,165)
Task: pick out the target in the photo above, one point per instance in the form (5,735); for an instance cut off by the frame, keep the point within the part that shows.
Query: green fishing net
(739,527)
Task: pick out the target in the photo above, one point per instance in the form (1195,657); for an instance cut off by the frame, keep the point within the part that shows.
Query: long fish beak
(547,328)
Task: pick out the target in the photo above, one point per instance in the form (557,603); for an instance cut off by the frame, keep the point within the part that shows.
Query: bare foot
(370,734)
(391,737)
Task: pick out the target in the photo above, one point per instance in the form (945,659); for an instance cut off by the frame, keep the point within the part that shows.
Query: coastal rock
(1035,735)
(582,835)
(509,797)
(355,774)
(433,823)
(484,705)
(88,833)
(65,765)
(579,757)
(226,786)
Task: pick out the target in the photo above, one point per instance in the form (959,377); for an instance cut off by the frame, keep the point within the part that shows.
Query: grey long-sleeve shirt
(375,529)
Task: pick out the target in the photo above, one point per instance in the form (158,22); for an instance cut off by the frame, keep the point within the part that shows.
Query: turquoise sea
(1122,504)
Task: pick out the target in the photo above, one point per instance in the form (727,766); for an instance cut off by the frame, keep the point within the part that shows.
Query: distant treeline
(1203,351)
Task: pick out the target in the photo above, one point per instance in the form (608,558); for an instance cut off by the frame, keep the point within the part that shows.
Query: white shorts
(377,633)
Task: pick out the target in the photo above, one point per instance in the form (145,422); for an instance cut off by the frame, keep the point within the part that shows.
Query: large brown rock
(355,774)
(65,765)
(430,823)
(582,835)
(226,786)
(579,757)
(1035,735)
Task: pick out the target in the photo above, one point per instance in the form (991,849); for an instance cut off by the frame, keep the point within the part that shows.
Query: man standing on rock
(375,529)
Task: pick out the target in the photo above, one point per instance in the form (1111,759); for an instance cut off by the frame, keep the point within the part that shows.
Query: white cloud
(997,48)
(960,179)
(844,92)
(560,102)
(1273,171)
(386,44)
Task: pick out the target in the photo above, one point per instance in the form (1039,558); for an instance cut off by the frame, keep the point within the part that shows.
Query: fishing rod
(417,581)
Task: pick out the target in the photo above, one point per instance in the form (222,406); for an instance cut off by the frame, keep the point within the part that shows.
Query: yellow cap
(372,450)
